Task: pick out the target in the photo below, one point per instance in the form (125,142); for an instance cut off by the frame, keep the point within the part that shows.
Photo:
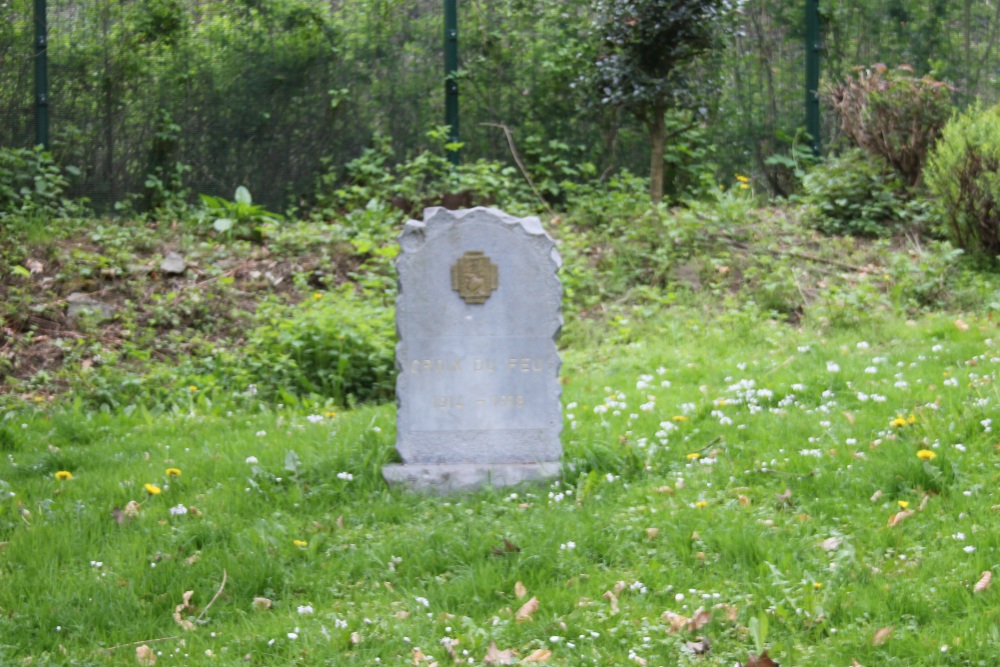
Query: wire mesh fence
(272,93)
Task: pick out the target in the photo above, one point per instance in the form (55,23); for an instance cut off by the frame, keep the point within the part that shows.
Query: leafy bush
(335,344)
(240,217)
(963,174)
(893,115)
(852,194)
(30,183)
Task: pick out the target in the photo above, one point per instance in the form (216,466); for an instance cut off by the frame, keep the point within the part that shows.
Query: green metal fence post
(451,73)
(41,77)
(813,47)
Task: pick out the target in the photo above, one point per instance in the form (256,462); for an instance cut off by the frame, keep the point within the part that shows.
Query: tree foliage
(649,49)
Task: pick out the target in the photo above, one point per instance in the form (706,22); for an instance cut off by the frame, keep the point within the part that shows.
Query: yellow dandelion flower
(39,399)
(693,455)
(926,454)
(744,186)
(701,503)
(330,415)
(301,544)
(903,504)
(153,489)
(899,421)
(192,388)
(817,585)
(173,472)
(64,475)
(912,419)
(317,295)
(680,418)
(742,179)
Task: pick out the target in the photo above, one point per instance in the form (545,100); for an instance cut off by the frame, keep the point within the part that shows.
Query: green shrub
(892,115)
(30,183)
(852,194)
(335,344)
(963,174)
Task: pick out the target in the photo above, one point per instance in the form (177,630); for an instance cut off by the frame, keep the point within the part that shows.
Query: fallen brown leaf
(183,607)
(355,638)
(539,655)
(763,660)
(855,663)
(882,636)
(619,587)
(495,656)
(519,590)
(651,533)
(961,325)
(899,517)
(875,496)
(700,646)
(830,544)
(507,548)
(613,599)
(676,621)
(665,489)
(700,619)
(261,604)
(744,500)
(849,417)
(984,582)
(525,612)
(418,656)
(145,656)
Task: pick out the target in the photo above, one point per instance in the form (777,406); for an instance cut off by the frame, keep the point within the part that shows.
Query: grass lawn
(730,486)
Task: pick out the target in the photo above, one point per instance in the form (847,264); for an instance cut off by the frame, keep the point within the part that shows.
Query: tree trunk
(658,141)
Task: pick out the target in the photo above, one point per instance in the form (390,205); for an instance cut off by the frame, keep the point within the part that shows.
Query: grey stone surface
(79,303)
(173,263)
(459,477)
(478,381)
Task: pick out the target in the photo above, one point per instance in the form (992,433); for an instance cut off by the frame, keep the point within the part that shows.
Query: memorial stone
(477,314)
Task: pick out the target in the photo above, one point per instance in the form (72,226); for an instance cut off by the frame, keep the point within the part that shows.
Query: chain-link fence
(272,93)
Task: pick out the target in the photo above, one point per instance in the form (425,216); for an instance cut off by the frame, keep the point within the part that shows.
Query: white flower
(293,635)
(315,419)
(833,366)
(305,609)
(345,476)
(569,546)
(969,549)
(423,601)
(261,434)
(179,510)
(251,459)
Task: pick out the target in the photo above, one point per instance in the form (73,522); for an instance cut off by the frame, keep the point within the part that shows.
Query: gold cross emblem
(474,277)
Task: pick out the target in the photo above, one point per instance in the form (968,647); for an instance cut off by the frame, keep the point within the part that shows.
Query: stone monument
(477,314)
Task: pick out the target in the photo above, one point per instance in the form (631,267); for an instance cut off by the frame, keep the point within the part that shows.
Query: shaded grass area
(738,466)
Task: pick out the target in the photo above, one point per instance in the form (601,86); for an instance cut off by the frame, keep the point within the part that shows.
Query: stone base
(458,477)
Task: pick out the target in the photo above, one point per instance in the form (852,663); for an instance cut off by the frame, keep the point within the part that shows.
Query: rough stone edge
(466,477)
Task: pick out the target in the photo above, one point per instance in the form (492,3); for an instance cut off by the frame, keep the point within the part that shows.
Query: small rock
(79,303)
(173,263)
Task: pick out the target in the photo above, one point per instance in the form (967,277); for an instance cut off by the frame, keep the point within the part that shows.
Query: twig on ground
(214,598)
(144,641)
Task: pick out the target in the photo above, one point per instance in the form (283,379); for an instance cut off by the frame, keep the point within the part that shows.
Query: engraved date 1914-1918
(496,401)
(477,365)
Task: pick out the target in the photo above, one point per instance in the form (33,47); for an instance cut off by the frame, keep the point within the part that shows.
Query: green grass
(766,411)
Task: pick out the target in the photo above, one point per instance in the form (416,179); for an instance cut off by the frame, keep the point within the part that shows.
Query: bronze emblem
(474,277)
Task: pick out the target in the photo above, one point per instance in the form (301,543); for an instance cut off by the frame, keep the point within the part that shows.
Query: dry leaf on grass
(700,619)
(882,636)
(495,656)
(676,621)
(984,582)
(637,660)
(145,656)
(876,496)
(539,655)
(763,660)
(619,588)
(613,599)
(261,604)
(700,646)
(849,417)
(507,548)
(651,533)
(855,663)
(830,544)
(961,325)
(525,612)
(183,607)
(899,517)
(519,590)
(665,489)
(355,638)
(418,656)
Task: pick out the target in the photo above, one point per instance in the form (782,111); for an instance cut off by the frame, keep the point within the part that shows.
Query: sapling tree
(644,67)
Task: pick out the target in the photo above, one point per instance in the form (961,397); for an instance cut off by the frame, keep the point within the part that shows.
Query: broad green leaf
(222,225)
(243,196)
